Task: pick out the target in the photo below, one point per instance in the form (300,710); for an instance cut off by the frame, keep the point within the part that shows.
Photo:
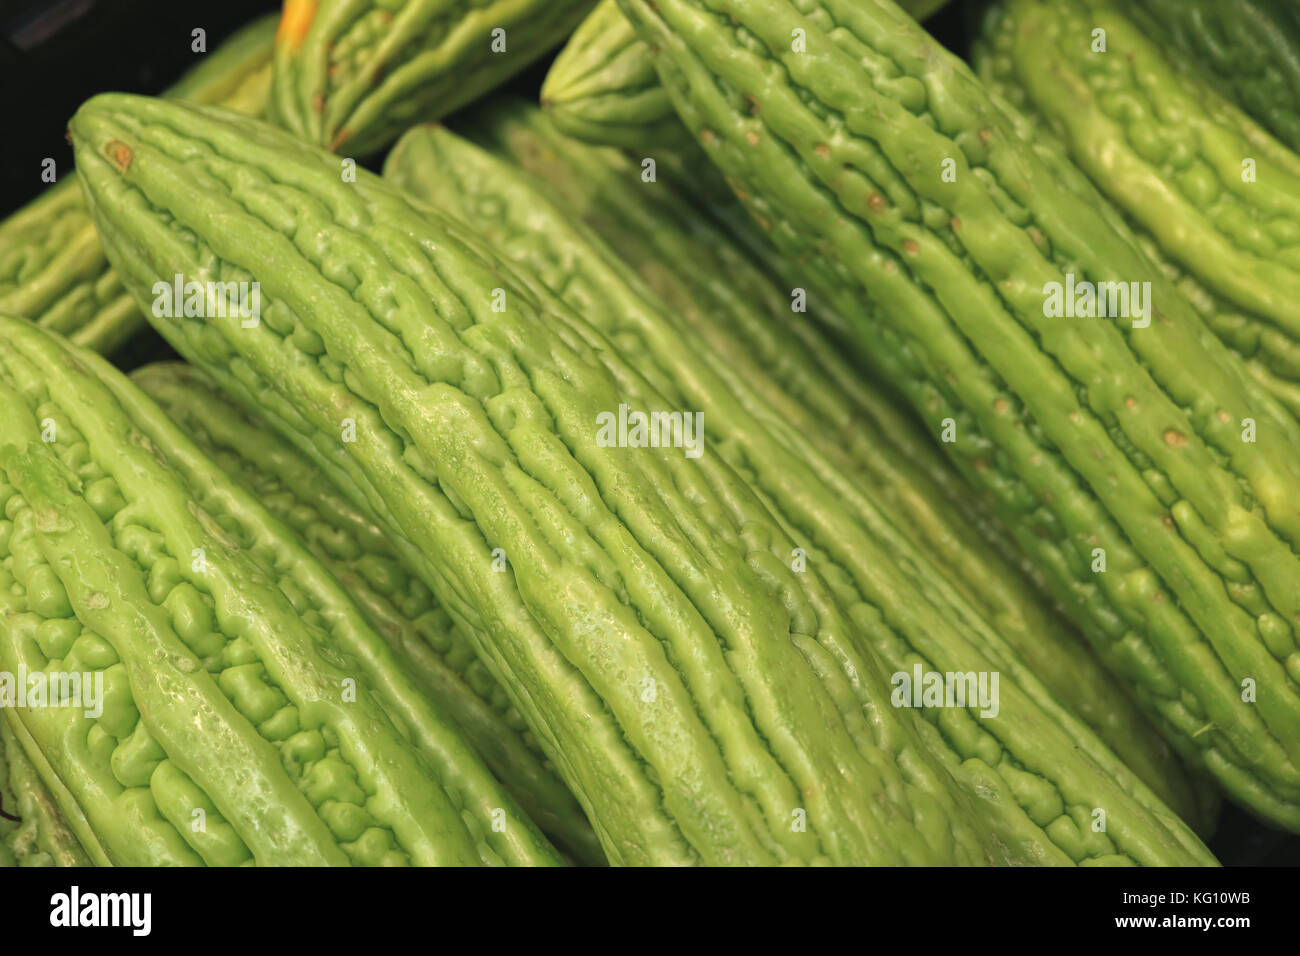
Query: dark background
(56,53)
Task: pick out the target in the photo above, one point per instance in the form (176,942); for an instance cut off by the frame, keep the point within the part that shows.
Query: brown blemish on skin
(751,138)
(955,223)
(119,154)
(876,202)
(1224,416)
(910,247)
(823,150)
(1175,439)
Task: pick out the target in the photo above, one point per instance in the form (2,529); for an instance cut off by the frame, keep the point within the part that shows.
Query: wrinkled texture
(398,606)
(603,88)
(32,829)
(1092,434)
(701,271)
(690,687)
(1248,49)
(1048,772)
(248,715)
(350,75)
(1169,152)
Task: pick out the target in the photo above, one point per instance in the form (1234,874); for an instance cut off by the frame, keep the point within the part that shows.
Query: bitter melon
(648,617)
(350,75)
(52,269)
(234,705)
(1217,195)
(1248,49)
(398,606)
(603,89)
(1150,474)
(820,498)
(767,350)
(688,684)
(32,830)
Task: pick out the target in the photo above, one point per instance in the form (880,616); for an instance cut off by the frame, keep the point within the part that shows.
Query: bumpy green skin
(238,678)
(1092,434)
(350,75)
(689,685)
(819,497)
(794,368)
(1168,150)
(398,606)
(52,269)
(1249,50)
(39,836)
(603,88)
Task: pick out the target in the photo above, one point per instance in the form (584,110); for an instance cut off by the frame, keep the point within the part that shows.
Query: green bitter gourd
(884,167)
(637,604)
(235,706)
(1249,50)
(603,89)
(768,348)
(33,831)
(350,75)
(398,606)
(1212,195)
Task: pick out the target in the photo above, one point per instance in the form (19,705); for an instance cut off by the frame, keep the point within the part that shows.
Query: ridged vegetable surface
(690,686)
(248,713)
(1248,49)
(1217,195)
(1101,440)
(52,269)
(398,606)
(603,89)
(350,75)
(32,829)
(728,339)
(1042,804)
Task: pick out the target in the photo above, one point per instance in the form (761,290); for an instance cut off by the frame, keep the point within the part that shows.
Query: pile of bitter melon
(782,443)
